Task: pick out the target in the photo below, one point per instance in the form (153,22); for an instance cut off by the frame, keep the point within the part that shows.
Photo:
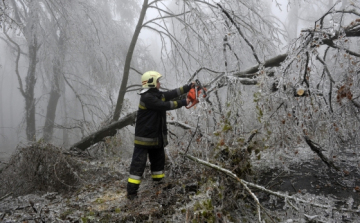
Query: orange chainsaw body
(192,97)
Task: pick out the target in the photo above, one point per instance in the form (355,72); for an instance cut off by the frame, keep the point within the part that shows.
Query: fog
(12,104)
(92,64)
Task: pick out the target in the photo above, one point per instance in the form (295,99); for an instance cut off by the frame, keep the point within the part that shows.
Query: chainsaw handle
(190,105)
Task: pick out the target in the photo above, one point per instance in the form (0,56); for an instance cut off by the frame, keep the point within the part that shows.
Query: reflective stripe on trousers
(157,174)
(134,179)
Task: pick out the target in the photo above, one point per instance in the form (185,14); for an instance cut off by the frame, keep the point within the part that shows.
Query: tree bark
(3,143)
(109,130)
(129,55)
(48,129)
(55,94)
(65,134)
(29,92)
(29,31)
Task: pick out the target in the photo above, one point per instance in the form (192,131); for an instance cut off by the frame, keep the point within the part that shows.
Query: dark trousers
(138,164)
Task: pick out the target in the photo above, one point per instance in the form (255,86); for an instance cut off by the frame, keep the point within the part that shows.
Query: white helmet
(149,79)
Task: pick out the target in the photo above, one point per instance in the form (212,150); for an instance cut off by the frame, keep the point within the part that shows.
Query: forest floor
(315,180)
(182,198)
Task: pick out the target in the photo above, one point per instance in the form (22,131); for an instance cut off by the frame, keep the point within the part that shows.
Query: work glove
(191,85)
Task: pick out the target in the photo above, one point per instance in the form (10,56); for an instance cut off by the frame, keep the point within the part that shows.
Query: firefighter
(151,129)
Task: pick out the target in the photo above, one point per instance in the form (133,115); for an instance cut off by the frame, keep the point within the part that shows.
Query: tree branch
(205,68)
(240,32)
(331,43)
(163,17)
(21,88)
(76,95)
(331,80)
(187,127)
(136,70)
(318,150)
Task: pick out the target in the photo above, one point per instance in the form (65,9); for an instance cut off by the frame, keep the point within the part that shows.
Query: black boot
(132,190)
(158,181)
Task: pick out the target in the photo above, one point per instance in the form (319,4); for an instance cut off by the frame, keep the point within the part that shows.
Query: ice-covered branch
(186,127)
(181,124)
(207,69)
(333,45)
(230,174)
(240,32)
(318,150)
(21,88)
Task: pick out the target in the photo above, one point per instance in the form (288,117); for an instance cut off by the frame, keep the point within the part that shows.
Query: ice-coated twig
(240,32)
(232,175)
(186,126)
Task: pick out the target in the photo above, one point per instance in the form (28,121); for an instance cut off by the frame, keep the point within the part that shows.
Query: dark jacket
(151,129)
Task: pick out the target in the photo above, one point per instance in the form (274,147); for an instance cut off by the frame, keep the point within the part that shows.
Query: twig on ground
(5,196)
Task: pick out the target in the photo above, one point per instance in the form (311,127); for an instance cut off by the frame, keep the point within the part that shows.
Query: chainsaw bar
(201,87)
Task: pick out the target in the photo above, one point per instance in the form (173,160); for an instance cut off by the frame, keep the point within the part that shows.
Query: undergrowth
(39,167)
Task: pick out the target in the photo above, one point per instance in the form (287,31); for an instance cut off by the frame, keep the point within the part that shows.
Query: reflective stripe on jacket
(151,129)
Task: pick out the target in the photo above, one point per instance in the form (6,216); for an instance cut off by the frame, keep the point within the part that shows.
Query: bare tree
(76,52)
(26,20)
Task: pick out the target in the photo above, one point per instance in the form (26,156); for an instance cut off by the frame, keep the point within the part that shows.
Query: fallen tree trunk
(109,130)
(272,62)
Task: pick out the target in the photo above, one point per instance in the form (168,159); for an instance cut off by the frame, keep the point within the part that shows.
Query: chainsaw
(194,93)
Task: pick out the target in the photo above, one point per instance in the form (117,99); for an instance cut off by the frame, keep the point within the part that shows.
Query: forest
(275,138)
